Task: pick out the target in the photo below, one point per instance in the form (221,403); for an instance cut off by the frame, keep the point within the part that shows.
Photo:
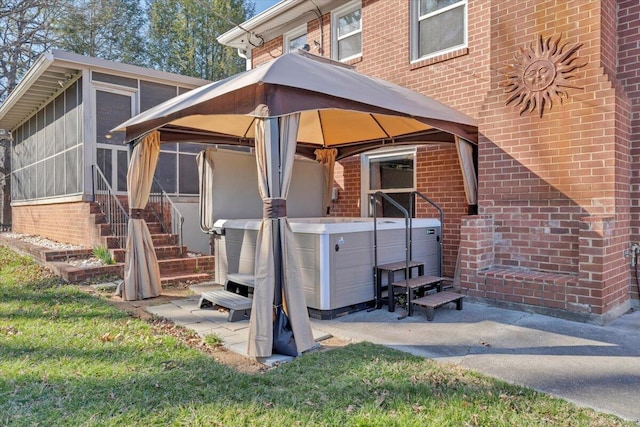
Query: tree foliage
(170,35)
(25,32)
(182,36)
(107,29)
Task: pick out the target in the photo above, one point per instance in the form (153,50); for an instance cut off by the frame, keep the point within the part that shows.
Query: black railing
(109,204)
(166,212)
(412,198)
(407,239)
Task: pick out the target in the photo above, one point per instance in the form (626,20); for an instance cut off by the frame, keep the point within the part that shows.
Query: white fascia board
(41,65)
(233,37)
(98,64)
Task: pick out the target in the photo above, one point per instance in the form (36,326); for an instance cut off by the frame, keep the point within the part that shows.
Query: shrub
(103,254)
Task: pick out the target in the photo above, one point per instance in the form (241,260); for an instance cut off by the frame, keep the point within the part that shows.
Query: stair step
(420,282)
(399,265)
(172,279)
(112,242)
(164,239)
(433,301)
(239,306)
(201,264)
(162,252)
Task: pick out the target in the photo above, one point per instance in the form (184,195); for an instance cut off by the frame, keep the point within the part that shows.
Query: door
(113,107)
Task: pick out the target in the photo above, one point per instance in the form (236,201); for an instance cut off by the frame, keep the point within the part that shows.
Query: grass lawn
(69,358)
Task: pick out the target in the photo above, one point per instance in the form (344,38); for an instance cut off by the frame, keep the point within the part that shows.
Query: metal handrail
(172,223)
(406,242)
(412,196)
(110,206)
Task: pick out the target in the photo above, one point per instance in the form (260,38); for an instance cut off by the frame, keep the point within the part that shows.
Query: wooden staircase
(177,264)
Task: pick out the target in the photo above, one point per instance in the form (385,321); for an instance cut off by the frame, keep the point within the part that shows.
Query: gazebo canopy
(297,103)
(340,108)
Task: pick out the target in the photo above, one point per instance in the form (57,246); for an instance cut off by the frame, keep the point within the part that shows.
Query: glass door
(392,172)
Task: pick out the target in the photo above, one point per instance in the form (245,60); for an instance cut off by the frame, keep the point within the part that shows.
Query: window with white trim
(437,27)
(346,32)
(295,39)
(394,173)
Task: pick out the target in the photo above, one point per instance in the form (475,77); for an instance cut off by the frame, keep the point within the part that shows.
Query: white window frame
(415,28)
(337,14)
(365,191)
(292,35)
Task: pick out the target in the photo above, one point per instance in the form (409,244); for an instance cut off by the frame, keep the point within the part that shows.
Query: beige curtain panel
(141,270)
(261,323)
(465,154)
(327,156)
(205,175)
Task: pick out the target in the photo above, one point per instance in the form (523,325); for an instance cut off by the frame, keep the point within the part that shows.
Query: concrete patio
(590,365)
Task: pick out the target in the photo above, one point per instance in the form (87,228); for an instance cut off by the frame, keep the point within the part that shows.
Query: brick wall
(386,55)
(556,187)
(63,222)
(558,192)
(628,74)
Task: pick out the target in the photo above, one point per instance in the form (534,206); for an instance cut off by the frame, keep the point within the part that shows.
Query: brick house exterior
(558,193)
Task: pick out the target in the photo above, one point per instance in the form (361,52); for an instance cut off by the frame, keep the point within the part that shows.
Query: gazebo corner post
(141,272)
(278,278)
(274,181)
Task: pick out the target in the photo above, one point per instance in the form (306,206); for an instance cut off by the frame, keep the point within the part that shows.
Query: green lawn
(68,358)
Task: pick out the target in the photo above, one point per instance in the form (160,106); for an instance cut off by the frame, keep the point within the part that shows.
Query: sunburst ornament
(541,74)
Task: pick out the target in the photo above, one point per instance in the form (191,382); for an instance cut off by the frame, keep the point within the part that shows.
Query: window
(152,94)
(437,27)
(389,171)
(346,32)
(295,39)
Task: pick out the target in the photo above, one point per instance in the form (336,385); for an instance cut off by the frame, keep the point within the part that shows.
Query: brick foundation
(72,223)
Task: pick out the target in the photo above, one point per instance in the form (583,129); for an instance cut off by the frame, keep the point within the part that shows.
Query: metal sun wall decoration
(541,73)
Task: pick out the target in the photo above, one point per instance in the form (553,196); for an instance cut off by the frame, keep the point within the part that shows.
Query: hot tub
(336,255)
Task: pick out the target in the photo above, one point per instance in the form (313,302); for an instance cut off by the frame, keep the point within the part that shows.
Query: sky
(264,4)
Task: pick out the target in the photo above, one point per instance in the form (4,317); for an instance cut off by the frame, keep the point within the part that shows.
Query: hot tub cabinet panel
(336,255)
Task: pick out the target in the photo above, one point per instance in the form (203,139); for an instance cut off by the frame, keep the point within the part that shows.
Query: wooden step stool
(433,301)
(415,285)
(391,269)
(239,306)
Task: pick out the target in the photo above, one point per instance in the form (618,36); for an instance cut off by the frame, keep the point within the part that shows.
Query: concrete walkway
(590,365)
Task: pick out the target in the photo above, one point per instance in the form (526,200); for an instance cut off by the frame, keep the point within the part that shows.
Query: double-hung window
(295,39)
(437,27)
(392,172)
(346,30)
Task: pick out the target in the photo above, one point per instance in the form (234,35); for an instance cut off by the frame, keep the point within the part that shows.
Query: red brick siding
(539,177)
(63,222)
(628,74)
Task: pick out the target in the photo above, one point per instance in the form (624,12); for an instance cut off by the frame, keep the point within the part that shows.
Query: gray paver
(212,315)
(107,286)
(203,328)
(189,304)
(176,314)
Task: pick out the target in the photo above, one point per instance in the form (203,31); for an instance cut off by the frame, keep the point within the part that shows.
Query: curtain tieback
(274,208)
(136,213)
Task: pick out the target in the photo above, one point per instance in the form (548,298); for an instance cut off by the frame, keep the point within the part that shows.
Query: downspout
(242,53)
(319,18)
